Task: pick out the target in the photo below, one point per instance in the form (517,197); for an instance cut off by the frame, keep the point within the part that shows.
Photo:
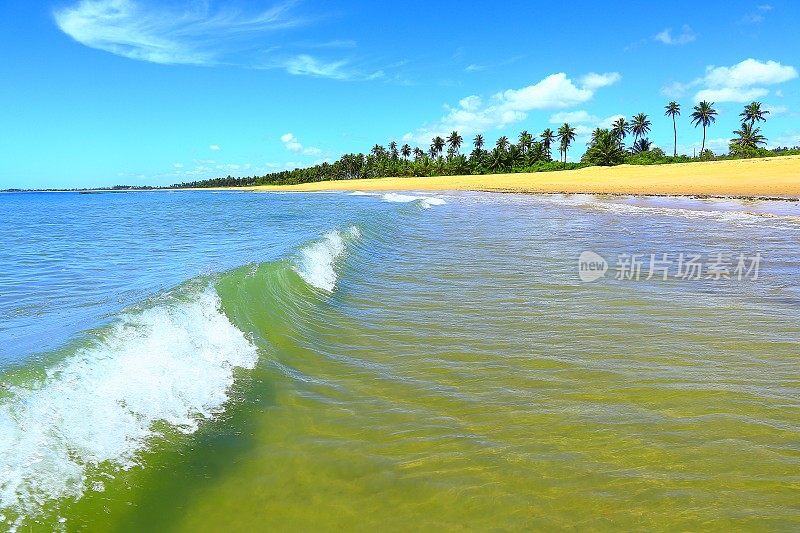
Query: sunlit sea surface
(206,361)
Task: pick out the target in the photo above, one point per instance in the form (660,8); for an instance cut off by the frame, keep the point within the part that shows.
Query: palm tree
(406,151)
(753,113)
(393,150)
(548,136)
(515,156)
(418,153)
(673,109)
(497,159)
(454,140)
(566,134)
(640,125)
(437,145)
(620,128)
(377,150)
(748,136)
(502,143)
(705,114)
(605,149)
(642,145)
(525,141)
(478,142)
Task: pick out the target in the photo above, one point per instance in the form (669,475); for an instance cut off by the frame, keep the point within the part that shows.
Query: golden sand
(769,177)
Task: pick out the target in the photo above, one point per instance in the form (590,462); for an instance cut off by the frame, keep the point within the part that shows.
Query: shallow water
(200,361)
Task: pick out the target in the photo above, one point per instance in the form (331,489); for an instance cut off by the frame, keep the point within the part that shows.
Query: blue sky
(102,92)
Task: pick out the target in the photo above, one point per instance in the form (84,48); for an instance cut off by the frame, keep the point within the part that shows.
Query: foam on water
(173,362)
(317,261)
(703,210)
(425,201)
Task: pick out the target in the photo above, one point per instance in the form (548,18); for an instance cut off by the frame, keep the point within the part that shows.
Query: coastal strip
(774,177)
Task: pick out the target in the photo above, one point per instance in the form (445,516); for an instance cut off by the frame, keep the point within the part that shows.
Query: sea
(253,361)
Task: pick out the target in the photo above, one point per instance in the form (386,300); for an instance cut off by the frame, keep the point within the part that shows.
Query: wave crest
(174,362)
(317,261)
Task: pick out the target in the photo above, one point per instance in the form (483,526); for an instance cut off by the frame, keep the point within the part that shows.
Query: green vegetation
(528,154)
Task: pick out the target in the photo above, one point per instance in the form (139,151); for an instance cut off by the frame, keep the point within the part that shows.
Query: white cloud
(178,165)
(572,116)
(473,114)
(749,72)
(777,110)
(195,35)
(310,66)
(475,68)
(291,143)
(742,82)
(685,37)
(594,81)
(731,94)
(214,148)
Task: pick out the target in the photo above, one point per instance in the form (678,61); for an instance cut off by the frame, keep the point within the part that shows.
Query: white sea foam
(174,362)
(317,261)
(702,210)
(425,201)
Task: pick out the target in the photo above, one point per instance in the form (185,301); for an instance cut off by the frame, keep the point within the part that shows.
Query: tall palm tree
(748,136)
(502,143)
(377,150)
(454,140)
(393,150)
(753,113)
(525,141)
(478,142)
(548,136)
(566,134)
(620,128)
(705,114)
(418,153)
(406,151)
(437,145)
(640,125)
(673,109)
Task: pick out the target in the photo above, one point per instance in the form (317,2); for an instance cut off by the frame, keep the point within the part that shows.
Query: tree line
(529,153)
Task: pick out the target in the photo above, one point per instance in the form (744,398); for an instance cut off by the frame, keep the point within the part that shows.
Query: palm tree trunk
(675,136)
(703,148)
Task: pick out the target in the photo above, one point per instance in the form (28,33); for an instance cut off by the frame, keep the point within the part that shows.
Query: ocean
(243,361)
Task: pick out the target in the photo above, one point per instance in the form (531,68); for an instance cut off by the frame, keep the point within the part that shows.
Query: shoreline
(774,178)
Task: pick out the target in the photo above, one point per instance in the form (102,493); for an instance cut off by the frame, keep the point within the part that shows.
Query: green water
(461,377)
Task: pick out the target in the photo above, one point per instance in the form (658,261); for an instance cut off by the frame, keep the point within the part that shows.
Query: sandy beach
(776,177)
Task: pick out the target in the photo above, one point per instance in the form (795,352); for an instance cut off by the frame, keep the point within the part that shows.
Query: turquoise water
(199,360)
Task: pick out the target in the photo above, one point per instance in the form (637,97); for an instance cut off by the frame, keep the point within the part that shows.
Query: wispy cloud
(195,33)
(742,82)
(214,148)
(475,68)
(757,16)
(686,36)
(307,65)
(473,114)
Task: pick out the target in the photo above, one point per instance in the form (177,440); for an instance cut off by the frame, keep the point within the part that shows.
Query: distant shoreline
(767,178)
(772,178)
